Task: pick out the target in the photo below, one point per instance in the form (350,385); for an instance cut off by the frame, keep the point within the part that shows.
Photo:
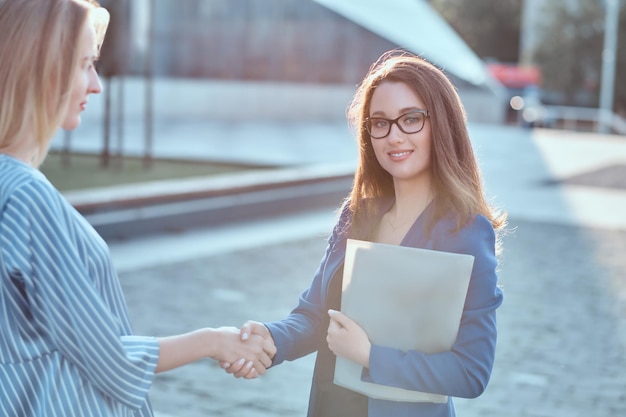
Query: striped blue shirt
(66,345)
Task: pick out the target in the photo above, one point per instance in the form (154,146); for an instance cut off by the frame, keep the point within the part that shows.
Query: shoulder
(26,189)
(342,224)
(13,175)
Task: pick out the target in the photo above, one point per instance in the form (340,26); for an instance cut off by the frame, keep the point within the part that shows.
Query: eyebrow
(402,111)
(93,57)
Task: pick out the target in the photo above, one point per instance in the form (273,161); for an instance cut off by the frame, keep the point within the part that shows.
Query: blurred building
(281,59)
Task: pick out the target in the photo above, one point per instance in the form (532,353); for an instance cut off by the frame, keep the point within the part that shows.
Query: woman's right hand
(241,368)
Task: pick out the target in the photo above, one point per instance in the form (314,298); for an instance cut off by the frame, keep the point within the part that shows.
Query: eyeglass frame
(391,122)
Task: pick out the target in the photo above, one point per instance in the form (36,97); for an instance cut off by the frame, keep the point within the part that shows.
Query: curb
(167,191)
(127,211)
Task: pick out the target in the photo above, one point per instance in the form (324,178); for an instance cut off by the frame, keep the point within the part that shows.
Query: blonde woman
(66,345)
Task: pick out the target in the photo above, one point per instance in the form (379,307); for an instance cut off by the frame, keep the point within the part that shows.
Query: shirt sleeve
(302,330)
(464,371)
(299,333)
(66,306)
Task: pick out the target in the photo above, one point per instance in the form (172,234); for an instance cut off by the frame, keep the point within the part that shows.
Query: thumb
(338,317)
(252,327)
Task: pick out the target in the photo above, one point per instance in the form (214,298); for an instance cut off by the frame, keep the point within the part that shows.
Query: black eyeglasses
(411,122)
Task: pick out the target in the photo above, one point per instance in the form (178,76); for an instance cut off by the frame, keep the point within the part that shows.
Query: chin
(71,123)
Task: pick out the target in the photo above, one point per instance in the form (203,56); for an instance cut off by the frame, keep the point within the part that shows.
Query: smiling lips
(400,154)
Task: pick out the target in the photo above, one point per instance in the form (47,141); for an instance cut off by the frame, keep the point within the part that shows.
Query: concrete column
(609,62)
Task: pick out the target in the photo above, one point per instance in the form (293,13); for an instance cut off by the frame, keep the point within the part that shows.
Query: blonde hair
(39,55)
(456,179)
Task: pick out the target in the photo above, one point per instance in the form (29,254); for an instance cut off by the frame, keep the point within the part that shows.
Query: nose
(95,86)
(396,135)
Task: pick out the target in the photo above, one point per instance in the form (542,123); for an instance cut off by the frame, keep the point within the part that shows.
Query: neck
(26,150)
(411,198)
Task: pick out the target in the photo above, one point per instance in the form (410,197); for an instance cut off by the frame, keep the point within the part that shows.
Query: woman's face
(85,81)
(406,156)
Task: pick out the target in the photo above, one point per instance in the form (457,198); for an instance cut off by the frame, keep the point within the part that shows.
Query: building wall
(284,54)
(196,99)
(271,40)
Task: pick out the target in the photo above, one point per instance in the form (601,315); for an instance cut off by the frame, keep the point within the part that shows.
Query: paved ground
(562,345)
(561,352)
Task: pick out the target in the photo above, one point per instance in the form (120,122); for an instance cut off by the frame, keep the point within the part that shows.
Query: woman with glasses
(417,184)
(66,344)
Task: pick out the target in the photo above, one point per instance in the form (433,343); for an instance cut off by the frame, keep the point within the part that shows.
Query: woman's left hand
(347,339)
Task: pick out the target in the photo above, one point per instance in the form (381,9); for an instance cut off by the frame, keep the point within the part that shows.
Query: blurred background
(216,157)
(558,53)
(527,63)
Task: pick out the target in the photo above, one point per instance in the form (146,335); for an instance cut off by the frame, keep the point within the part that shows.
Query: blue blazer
(463,371)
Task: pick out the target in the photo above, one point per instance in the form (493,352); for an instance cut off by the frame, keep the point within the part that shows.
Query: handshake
(246,352)
(249,351)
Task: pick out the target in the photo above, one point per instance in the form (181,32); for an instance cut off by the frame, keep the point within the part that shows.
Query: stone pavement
(562,327)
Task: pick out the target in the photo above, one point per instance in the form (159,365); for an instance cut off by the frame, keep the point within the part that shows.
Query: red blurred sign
(515,76)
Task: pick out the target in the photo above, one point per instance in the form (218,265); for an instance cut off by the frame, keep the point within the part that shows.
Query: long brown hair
(456,178)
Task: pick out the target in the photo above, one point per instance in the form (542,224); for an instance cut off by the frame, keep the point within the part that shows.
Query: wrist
(211,341)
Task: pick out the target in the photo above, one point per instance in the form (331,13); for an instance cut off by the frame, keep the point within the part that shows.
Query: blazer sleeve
(464,371)
(65,304)
(302,330)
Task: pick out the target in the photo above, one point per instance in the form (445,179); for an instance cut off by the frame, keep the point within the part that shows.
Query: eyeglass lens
(379,127)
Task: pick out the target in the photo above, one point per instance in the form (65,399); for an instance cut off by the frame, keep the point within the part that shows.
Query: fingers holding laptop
(347,339)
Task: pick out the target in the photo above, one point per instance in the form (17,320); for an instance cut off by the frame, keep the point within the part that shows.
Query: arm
(66,304)
(221,344)
(295,336)
(464,371)
(303,329)
(300,333)
(67,310)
